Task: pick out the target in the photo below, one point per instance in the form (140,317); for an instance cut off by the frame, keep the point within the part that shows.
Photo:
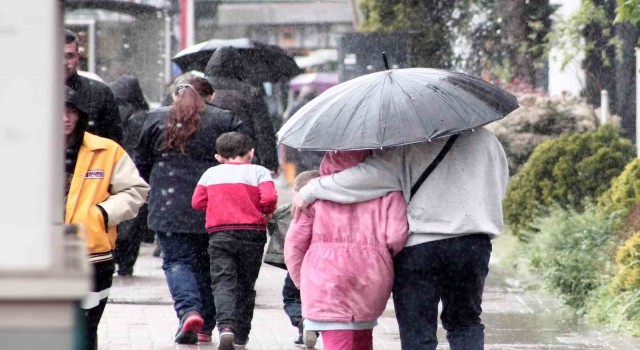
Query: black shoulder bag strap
(433,165)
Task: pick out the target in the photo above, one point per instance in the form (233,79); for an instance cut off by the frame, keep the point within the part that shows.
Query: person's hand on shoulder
(298,205)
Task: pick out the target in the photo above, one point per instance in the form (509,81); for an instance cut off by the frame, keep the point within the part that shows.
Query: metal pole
(186,23)
(354,15)
(167,49)
(638,102)
(190,23)
(604,107)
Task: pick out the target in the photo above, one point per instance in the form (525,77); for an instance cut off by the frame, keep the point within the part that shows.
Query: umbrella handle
(384,58)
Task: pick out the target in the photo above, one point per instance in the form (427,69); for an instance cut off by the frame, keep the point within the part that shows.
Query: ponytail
(184,117)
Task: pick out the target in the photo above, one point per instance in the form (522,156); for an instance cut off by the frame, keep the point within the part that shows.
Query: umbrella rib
(383,131)
(415,115)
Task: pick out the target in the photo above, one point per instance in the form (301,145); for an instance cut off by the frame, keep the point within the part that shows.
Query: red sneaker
(190,325)
(204,338)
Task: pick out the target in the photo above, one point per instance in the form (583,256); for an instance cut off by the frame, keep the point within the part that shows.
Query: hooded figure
(226,73)
(102,189)
(133,111)
(74,140)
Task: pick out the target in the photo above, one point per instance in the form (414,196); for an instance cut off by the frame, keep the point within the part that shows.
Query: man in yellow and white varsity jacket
(102,189)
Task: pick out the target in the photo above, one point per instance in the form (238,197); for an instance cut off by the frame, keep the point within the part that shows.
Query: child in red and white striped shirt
(237,197)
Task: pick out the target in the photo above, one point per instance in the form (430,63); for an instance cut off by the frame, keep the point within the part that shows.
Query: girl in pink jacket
(341,258)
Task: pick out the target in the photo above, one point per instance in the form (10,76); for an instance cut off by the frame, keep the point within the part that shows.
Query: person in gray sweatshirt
(452,218)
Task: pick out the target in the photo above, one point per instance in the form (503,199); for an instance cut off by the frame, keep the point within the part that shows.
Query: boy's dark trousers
(292,301)
(235,260)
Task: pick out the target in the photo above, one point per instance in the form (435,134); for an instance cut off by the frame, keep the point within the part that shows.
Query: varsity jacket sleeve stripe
(128,191)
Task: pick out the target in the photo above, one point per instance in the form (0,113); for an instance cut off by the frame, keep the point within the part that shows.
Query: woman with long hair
(176,146)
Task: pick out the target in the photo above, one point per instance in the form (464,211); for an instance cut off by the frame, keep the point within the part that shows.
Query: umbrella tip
(384,58)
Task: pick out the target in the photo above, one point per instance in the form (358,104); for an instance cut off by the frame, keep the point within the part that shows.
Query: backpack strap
(433,165)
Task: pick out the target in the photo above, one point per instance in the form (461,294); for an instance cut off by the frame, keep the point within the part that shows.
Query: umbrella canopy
(262,62)
(395,107)
(319,81)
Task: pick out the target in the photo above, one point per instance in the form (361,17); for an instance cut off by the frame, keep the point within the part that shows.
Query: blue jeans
(292,301)
(186,267)
(452,271)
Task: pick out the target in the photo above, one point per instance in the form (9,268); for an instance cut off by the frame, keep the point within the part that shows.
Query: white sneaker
(309,338)
(226,340)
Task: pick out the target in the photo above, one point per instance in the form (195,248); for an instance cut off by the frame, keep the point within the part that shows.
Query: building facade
(298,26)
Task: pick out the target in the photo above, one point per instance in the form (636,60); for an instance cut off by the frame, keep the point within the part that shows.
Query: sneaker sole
(187,338)
(189,332)
(204,339)
(226,342)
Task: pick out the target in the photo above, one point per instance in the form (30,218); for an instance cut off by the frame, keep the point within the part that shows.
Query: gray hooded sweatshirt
(462,196)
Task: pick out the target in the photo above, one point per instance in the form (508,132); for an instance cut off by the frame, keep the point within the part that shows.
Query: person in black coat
(133,111)
(104,117)
(176,146)
(225,72)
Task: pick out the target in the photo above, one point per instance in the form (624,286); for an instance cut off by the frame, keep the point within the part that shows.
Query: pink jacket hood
(341,255)
(334,162)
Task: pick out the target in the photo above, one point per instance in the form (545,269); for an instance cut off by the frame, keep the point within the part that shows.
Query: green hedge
(624,193)
(570,251)
(570,171)
(628,265)
(617,303)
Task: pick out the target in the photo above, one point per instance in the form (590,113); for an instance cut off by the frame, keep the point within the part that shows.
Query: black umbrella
(395,107)
(262,62)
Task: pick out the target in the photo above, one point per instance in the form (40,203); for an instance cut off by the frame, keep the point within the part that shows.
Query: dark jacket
(277,227)
(173,176)
(133,109)
(224,71)
(133,112)
(104,117)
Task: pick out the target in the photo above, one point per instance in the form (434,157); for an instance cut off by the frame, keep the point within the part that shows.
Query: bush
(619,311)
(623,197)
(628,263)
(568,251)
(624,193)
(539,119)
(570,171)
(618,304)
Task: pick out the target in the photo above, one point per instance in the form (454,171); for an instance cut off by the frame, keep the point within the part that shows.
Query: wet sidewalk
(140,316)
